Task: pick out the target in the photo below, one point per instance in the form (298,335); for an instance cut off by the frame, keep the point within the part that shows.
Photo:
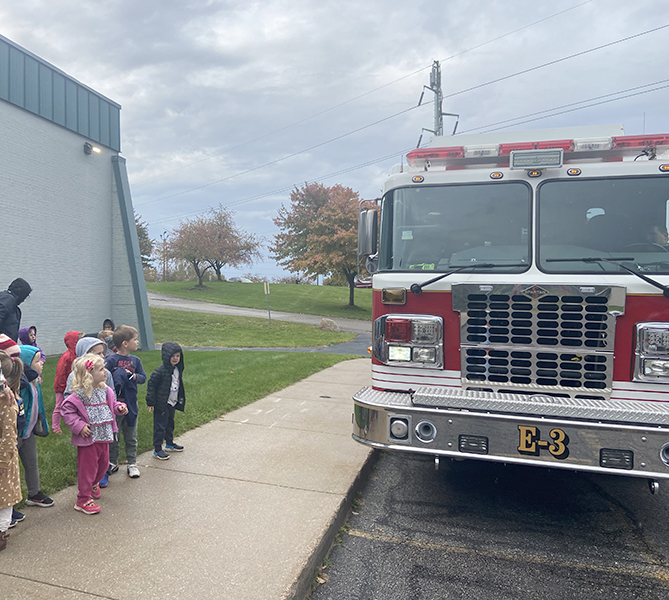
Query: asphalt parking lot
(483,530)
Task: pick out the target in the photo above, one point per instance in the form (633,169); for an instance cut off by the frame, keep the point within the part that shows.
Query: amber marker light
(394,296)
(534,173)
(496,175)
(573,172)
(664,168)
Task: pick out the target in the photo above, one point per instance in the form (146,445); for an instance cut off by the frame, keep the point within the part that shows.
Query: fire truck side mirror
(367,232)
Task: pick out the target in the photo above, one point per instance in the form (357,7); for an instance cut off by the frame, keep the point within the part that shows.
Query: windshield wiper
(417,288)
(657,284)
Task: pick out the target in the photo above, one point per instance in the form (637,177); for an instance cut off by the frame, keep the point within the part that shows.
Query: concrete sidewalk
(246,512)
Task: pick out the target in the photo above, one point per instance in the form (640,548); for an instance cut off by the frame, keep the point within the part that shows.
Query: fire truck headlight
(651,354)
(399,353)
(425,331)
(409,340)
(653,338)
(424,355)
(654,367)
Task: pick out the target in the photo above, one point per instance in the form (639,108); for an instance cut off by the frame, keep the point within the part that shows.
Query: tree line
(318,236)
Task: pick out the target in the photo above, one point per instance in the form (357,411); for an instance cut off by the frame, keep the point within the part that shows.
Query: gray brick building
(65,207)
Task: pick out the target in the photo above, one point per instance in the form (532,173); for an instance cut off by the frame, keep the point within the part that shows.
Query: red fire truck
(521,302)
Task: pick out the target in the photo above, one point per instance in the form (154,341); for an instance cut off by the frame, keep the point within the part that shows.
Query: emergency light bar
(542,154)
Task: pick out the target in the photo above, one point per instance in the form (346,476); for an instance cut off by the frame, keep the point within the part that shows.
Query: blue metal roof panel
(35,85)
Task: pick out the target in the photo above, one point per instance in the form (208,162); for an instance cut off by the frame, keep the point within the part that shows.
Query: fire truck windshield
(614,218)
(437,228)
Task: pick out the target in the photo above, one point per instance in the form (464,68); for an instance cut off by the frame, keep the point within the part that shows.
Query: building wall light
(89,149)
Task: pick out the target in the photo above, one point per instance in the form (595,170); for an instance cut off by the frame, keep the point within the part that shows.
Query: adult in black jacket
(165,393)
(10,313)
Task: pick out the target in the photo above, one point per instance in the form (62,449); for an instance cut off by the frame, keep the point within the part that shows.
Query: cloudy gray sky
(236,102)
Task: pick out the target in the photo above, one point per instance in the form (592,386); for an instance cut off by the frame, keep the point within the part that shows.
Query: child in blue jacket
(128,372)
(35,421)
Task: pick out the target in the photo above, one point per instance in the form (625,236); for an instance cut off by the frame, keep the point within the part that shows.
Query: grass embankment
(224,331)
(325,300)
(216,383)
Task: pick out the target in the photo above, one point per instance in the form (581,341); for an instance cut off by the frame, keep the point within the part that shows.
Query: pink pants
(92,464)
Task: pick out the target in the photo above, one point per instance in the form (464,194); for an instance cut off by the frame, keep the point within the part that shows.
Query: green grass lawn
(216,382)
(206,329)
(326,300)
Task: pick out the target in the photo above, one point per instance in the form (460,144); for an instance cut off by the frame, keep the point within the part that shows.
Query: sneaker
(113,468)
(173,447)
(160,454)
(96,492)
(90,508)
(39,499)
(104,482)
(17,517)
(133,471)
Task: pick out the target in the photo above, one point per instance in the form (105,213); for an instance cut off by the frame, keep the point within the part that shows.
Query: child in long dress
(10,481)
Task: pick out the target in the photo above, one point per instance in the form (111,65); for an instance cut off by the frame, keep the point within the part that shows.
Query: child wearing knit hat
(9,346)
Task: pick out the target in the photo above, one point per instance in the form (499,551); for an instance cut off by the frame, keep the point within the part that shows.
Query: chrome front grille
(571,321)
(556,339)
(531,367)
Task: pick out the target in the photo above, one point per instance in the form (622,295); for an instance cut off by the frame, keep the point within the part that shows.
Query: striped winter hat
(9,345)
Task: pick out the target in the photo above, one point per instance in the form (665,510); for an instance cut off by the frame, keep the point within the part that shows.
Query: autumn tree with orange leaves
(319,232)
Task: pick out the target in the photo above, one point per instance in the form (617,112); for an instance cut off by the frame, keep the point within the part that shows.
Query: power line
(399,153)
(506,35)
(278,160)
(511,122)
(580,108)
(559,60)
(197,162)
(524,71)
(507,123)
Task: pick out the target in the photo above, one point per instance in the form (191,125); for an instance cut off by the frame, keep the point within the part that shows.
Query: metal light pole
(163,239)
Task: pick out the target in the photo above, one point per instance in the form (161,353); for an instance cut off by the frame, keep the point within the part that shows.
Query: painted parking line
(658,572)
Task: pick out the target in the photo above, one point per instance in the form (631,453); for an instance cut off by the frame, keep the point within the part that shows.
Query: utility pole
(435,87)
(163,239)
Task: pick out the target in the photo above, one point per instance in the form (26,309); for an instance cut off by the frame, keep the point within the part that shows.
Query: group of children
(96,397)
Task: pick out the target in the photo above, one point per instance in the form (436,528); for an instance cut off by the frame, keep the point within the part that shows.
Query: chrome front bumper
(622,437)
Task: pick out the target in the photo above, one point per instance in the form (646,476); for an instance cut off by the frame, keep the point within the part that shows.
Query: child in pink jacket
(90,414)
